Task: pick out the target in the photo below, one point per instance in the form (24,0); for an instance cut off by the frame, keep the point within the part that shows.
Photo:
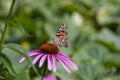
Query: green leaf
(23,76)
(112,60)
(37,78)
(115,77)
(90,60)
(19,27)
(5,60)
(14,57)
(21,51)
(110,39)
(27,23)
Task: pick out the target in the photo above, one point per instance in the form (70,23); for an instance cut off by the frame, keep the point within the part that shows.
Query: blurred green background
(93,31)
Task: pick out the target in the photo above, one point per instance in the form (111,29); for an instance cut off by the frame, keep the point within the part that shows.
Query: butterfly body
(61,38)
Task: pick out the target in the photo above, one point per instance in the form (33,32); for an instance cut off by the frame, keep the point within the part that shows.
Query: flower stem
(44,70)
(6,25)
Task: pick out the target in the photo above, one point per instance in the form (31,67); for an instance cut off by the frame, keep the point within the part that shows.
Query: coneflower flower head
(50,53)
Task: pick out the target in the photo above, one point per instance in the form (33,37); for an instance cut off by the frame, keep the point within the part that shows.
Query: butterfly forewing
(61,38)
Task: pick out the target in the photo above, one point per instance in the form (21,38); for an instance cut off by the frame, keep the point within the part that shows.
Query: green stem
(6,25)
(44,70)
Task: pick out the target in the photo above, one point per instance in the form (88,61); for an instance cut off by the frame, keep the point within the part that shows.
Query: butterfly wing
(61,38)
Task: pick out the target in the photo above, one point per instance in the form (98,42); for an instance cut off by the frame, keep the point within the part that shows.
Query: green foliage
(23,76)
(93,31)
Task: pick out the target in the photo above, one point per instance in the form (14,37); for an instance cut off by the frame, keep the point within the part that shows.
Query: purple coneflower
(50,53)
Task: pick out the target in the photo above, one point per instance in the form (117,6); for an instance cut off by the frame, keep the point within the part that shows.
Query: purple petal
(36,58)
(64,65)
(49,77)
(49,62)
(34,52)
(66,59)
(31,53)
(42,60)
(54,63)
(67,64)
(63,54)
(22,59)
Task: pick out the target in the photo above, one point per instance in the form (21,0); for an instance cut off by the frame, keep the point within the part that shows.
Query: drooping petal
(54,63)
(60,53)
(34,52)
(49,62)
(31,53)
(64,65)
(68,64)
(22,59)
(42,60)
(37,58)
(66,59)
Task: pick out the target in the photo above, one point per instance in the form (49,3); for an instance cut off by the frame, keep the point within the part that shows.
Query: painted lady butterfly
(61,38)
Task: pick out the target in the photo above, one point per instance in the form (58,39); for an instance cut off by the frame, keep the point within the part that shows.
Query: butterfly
(61,38)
